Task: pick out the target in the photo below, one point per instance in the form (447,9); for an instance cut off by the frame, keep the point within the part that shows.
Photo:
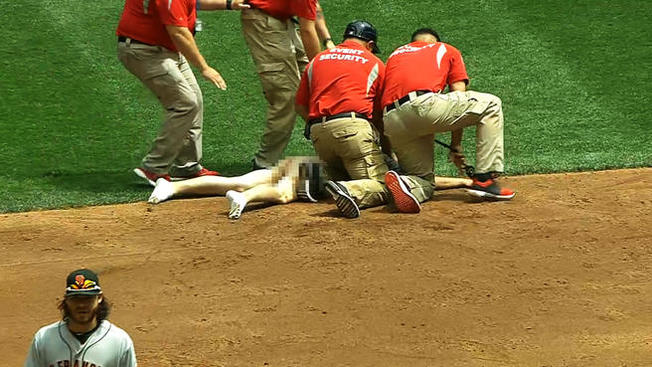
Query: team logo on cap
(82,283)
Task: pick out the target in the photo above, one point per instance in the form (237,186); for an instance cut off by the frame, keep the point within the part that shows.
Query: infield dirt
(560,276)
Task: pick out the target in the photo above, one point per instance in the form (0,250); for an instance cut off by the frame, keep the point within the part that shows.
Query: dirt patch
(560,276)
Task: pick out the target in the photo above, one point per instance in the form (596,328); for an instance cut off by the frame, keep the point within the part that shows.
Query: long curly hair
(102,312)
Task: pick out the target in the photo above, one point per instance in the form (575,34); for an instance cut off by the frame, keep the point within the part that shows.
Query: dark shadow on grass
(116,182)
(98,182)
(229,169)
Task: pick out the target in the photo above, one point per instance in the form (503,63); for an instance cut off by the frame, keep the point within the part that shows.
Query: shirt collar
(352,44)
(421,44)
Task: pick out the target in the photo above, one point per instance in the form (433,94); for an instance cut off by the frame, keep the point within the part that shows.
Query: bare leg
(209,185)
(282,192)
(446,183)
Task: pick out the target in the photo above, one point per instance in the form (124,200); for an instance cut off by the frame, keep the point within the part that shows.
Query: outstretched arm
(322,28)
(309,37)
(222,5)
(447,183)
(185,43)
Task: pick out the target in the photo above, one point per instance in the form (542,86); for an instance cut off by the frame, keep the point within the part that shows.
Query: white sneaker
(237,203)
(162,191)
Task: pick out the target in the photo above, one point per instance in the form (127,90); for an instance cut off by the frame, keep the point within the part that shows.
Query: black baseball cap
(82,282)
(365,31)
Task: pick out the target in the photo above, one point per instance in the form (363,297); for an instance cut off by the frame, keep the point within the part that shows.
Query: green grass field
(574,78)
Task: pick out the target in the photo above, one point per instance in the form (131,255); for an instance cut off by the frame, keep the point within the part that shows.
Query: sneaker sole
(488,195)
(235,210)
(235,213)
(346,205)
(404,200)
(140,174)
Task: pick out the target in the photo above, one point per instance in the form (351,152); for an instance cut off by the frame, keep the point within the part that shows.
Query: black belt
(317,120)
(404,99)
(124,39)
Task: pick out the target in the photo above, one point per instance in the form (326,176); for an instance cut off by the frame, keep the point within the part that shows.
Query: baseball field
(560,276)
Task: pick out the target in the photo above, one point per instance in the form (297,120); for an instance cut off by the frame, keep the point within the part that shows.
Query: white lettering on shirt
(344,54)
(336,56)
(408,48)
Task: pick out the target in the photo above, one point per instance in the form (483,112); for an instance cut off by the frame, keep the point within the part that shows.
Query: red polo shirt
(347,78)
(148,25)
(422,66)
(284,9)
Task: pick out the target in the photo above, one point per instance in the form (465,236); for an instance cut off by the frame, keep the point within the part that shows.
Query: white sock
(237,203)
(162,191)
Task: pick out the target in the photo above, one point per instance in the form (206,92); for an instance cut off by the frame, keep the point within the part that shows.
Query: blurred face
(83,309)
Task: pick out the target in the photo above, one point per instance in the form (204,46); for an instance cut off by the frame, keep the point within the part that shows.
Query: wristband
(326,41)
(228,5)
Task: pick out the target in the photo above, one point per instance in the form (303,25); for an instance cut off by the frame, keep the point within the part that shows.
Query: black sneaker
(343,199)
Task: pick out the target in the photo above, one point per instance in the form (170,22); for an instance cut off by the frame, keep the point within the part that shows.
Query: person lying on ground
(293,178)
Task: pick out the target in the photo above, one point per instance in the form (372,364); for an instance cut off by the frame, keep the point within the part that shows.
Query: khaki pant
(350,150)
(177,148)
(273,45)
(412,126)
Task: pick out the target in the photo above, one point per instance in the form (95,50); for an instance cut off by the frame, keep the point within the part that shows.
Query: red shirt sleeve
(303,93)
(305,8)
(457,71)
(173,12)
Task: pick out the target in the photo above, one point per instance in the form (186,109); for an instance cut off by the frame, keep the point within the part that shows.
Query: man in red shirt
(155,43)
(339,97)
(271,37)
(415,109)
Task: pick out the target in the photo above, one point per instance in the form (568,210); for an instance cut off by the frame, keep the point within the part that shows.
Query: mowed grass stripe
(573,76)
(69,101)
(589,125)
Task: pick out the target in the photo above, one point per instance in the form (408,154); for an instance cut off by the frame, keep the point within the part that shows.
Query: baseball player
(84,337)
(156,43)
(267,28)
(339,97)
(415,109)
(293,178)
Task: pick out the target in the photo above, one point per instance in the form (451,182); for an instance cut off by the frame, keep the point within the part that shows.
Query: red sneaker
(490,189)
(403,198)
(201,172)
(149,176)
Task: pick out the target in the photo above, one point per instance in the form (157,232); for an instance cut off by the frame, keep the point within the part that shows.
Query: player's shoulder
(114,330)
(450,47)
(49,329)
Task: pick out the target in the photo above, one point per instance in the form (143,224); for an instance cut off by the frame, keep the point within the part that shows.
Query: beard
(82,316)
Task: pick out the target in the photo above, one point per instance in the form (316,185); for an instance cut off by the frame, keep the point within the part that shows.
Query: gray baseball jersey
(55,346)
